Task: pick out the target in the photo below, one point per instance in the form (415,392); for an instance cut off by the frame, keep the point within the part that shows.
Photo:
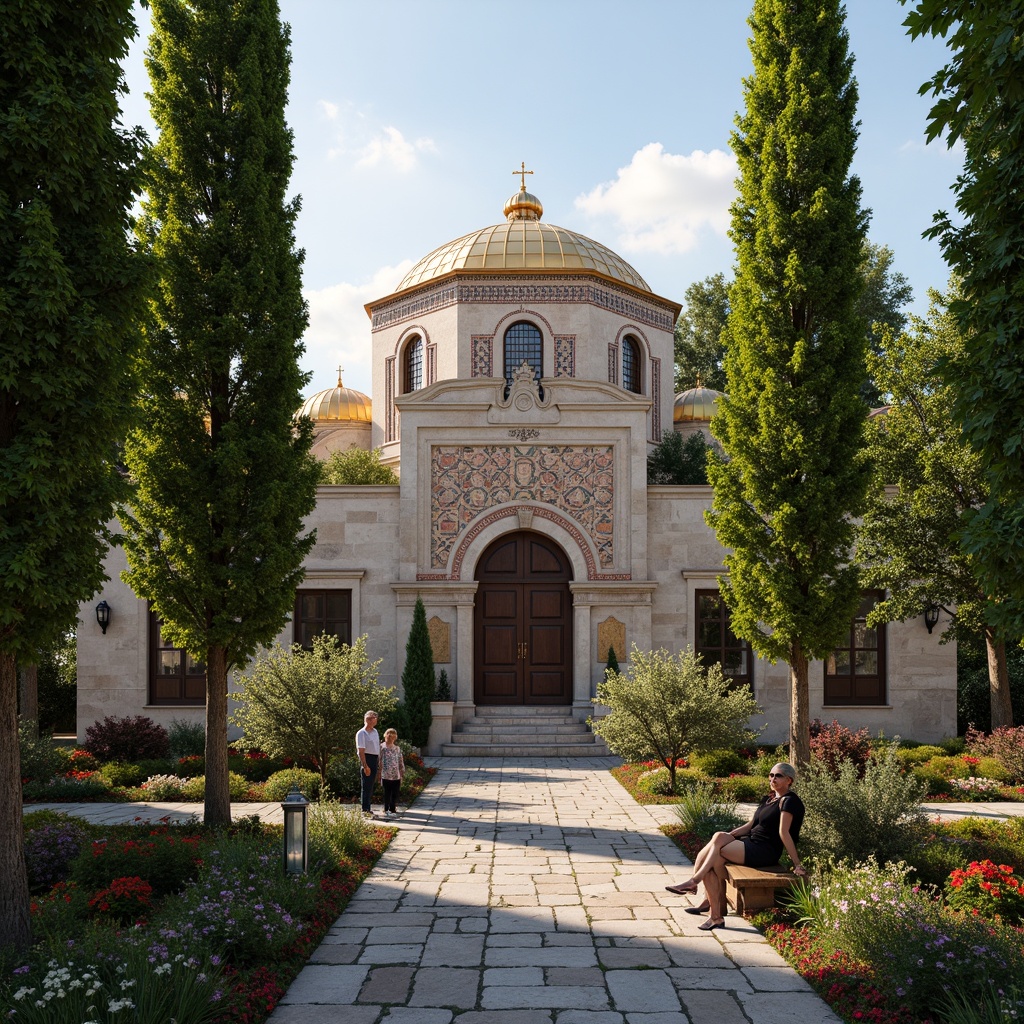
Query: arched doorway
(522,630)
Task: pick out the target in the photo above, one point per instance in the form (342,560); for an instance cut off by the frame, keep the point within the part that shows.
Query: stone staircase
(518,731)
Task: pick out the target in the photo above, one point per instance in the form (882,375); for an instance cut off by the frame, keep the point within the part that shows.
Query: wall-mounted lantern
(296,832)
(931,616)
(103,616)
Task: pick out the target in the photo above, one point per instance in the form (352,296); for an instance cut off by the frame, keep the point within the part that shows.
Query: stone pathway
(522,891)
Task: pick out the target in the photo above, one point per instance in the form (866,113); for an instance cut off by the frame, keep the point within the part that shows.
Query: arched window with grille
(632,367)
(412,366)
(523,344)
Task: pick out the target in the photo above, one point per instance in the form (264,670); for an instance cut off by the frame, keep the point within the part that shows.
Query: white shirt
(368,740)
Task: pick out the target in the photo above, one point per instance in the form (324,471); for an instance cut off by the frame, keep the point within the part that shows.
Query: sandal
(710,925)
(682,889)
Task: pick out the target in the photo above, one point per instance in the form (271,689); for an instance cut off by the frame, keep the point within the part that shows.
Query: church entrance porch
(522,626)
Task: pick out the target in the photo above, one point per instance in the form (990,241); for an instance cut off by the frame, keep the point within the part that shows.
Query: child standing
(392,771)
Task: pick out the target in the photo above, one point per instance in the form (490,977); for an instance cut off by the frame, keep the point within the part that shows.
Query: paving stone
(546,956)
(568,939)
(326,953)
(775,979)
(446,986)
(514,976)
(574,976)
(648,991)
(453,951)
(320,984)
(415,1015)
(506,1017)
(346,935)
(515,939)
(753,954)
(550,996)
(786,1008)
(393,954)
(386,985)
(614,956)
(705,1007)
(301,1014)
(657,1018)
(588,1017)
(391,935)
(691,952)
(727,979)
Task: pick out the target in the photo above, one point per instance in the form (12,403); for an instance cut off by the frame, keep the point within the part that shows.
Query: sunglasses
(778,775)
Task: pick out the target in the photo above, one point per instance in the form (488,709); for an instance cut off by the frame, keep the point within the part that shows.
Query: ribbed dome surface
(338,405)
(697,404)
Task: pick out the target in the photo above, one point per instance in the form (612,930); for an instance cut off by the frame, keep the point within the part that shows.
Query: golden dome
(523,243)
(338,405)
(697,404)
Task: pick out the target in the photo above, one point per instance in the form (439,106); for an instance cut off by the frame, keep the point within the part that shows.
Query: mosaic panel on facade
(613,363)
(482,346)
(501,292)
(565,355)
(656,395)
(466,480)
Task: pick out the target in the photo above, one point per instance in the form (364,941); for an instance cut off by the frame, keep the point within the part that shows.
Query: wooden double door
(523,623)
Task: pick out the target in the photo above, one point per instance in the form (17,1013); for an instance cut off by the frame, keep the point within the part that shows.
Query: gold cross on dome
(522,172)
(339,375)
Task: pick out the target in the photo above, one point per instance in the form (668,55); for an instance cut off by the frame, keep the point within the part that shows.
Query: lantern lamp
(931,616)
(103,616)
(296,832)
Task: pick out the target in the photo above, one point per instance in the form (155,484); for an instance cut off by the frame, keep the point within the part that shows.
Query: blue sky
(410,116)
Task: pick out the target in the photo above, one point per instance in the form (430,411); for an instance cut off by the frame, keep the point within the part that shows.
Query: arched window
(413,366)
(523,344)
(632,368)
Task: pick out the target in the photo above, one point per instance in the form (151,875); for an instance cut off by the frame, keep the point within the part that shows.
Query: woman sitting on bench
(759,843)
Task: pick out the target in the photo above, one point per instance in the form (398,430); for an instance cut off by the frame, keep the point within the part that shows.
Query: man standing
(368,748)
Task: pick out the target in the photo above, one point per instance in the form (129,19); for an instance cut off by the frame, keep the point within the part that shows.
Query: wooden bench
(752,889)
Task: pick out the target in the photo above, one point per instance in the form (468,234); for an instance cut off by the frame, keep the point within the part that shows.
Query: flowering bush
(83,760)
(973,788)
(125,900)
(79,786)
(1006,745)
(127,739)
(195,789)
(164,859)
(833,743)
(49,851)
(164,787)
(987,889)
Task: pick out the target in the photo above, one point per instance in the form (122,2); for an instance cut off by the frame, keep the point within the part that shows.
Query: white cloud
(662,201)
(339,329)
(331,110)
(936,148)
(393,149)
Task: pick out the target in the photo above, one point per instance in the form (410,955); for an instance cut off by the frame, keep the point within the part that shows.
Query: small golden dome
(697,404)
(338,405)
(523,244)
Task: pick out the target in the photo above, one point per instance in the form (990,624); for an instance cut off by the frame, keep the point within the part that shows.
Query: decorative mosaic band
(565,355)
(575,480)
(656,398)
(389,398)
(571,290)
(613,363)
(482,355)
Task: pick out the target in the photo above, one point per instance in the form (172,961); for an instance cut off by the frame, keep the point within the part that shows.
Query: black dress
(763,845)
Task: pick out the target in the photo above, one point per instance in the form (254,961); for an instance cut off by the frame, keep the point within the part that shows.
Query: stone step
(521,736)
(522,711)
(455,749)
(554,728)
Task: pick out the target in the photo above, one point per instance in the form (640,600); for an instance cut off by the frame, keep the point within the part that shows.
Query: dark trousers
(391,788)
(369,780)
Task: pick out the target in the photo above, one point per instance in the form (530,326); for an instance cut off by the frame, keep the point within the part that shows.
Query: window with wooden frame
(716,642)
(632,368)
(413,366)
(855,672)
(322,611)
(175,677)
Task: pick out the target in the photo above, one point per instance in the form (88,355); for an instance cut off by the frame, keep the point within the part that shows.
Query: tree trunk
(15,929)
(998,682)
(217,805)
(799,709)
(28,684)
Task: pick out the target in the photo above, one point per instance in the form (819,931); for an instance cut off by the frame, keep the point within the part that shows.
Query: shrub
(704,813)
(164,787)
(767,759)
(444,689)
(418,678)
(992,768)
(850,817)
(165,859)
(991,890)
(833,743)
(918,946)
(84,786)
(1006,745)
(918,755)
(186,738)
(191,766)
(719,763)
(195,789)
(953,745)
(666,705)
(279,784)
(656,782)
(298,703)
(743,789)
(974,788)
(49,850)
(124,901)
(344,777)
(255,765)
(119,773)
(336,831)
(356,466)
(40,759)
(82,760)
(127,739)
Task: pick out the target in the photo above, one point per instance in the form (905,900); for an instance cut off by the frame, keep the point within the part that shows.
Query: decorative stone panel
(440,639)
(656,399)
(610,634)
(613,363)
(482,355)
(565,355)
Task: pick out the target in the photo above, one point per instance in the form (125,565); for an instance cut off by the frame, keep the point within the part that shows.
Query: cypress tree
(418,678)
(223,472)
(613,662)
(793,474)
(70,300)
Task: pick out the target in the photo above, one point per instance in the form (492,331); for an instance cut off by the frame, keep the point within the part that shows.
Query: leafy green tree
(71,290)
(882,305)
(298,703)
(699,350)
(793,474)
(613,662)
(675,461)
(356,466)
(222,470)
(910,542)
(668,705)
(980,103)
(418,679)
